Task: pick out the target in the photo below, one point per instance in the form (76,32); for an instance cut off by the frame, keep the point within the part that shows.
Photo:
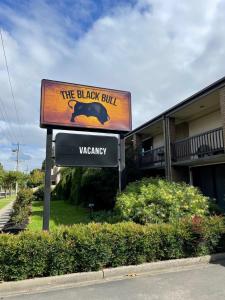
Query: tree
(43,164)
(36,178)
(9,181)
(22,179)
(1,174)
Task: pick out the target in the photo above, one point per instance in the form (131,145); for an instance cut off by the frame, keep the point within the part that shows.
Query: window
(147,144)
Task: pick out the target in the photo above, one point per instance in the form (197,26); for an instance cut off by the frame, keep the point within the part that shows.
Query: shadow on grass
(62,213)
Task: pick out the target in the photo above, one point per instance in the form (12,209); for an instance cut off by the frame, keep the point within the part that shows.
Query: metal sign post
(121,151)
(47,190)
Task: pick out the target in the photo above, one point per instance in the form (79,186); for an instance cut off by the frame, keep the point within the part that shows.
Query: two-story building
(186,142)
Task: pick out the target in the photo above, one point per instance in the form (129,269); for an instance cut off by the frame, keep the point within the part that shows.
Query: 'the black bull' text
(93,95)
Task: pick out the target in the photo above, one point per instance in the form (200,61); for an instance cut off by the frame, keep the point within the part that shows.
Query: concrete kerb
(119,272)
(45,282)
(162,265)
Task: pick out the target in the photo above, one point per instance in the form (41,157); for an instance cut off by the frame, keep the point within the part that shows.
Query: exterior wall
(182,131)
(180,174)
(158,141)
(55,175)
(205,123)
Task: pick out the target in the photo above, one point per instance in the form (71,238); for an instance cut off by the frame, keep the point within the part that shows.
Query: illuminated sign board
(86,150)
(80,107)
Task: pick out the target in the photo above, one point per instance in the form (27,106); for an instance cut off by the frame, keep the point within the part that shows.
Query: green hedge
(95,246)
(22,207)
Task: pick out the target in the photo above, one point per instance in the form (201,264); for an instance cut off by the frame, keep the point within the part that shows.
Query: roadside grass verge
(6,201)
(62,213)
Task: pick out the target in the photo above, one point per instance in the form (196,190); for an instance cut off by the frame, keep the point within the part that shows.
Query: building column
(222,110)
(169,138)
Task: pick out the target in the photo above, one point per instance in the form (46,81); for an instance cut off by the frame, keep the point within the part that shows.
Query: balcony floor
(153,166)
(211,159)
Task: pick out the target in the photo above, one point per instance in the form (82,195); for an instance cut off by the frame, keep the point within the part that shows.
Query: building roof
(217,84)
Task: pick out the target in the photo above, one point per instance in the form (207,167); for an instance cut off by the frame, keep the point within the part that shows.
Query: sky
(161,51)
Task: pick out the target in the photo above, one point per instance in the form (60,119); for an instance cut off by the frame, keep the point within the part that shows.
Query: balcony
(199,146)
(154,157)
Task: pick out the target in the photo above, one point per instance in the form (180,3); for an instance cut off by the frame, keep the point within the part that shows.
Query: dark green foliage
(83,186)
(214,208)
(99,186)
(68,188)
(39,193)
(107,216)
(22,206)
(95,246)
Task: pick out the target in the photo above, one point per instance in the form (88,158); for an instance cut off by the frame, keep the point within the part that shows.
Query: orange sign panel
(82,107)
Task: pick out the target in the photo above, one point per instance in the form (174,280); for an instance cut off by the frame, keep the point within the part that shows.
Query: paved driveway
(200,282)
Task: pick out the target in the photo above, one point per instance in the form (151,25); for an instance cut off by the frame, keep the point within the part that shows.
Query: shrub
(68,188)
(76,183)
(39,193)
(95,246)
(206,234)
(103,184)
(107,216)
(22,206)
(154,200)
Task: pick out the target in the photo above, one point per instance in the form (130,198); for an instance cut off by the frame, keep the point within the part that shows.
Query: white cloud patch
(161,51)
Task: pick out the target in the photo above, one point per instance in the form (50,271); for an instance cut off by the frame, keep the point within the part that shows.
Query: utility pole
(17,157)
(17,150)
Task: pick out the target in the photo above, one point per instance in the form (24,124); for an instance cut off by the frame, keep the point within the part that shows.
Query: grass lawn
(62,213)
(6,201)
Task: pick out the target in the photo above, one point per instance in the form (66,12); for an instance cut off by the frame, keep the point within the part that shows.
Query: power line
(5,117)
(10,84)
(4,136)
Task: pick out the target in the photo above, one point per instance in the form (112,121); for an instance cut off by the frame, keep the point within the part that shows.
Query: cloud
(161,51)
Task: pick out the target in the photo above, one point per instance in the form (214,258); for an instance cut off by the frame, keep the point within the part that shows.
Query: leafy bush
(107,216)
(36,178)
(76,183)
(95,246)
(22,206)
(68,188)
(103,184)
(154,200)
(39,193)
(214,208)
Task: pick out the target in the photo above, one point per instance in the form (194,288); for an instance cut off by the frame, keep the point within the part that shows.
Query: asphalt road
(200,282)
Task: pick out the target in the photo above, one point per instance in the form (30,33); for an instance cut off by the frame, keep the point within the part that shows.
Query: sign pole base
(47,190)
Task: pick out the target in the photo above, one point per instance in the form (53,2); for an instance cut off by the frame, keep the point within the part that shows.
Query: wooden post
(47,191)
(169,137)
(121,163)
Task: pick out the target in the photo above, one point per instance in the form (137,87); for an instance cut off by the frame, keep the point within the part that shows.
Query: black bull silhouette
(93,109)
